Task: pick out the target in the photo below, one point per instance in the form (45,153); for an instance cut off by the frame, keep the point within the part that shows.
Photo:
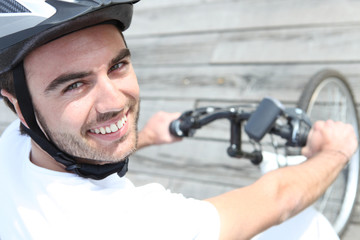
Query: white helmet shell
(17,15)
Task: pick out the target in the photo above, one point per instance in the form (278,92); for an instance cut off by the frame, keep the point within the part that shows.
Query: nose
(109,97)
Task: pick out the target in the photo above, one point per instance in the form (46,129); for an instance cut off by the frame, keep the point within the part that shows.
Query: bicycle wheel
(328,96)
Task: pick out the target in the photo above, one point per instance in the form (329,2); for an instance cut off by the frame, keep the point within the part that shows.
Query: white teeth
(113,128)
(119,124)
(110,129)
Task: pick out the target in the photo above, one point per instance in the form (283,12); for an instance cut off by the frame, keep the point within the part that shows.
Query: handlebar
(262,121)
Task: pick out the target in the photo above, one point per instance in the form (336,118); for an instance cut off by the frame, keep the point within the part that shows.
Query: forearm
(308,181)
(144,140)
(276,196)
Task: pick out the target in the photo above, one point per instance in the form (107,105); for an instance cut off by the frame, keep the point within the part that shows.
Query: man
(81,112)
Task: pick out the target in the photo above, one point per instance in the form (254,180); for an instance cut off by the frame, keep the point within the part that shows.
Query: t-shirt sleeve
(211,227)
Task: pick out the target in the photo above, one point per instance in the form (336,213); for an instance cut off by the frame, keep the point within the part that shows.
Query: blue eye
(74,86)
(115,67)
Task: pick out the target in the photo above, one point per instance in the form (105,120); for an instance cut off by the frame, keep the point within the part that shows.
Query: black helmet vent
(12,6)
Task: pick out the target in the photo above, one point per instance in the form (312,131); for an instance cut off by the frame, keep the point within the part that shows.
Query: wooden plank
(308,45)
(235,83)
(173,50)
(180,17)
(311,45)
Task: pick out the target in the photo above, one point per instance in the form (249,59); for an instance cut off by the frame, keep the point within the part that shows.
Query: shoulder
(12,130)
(11,139)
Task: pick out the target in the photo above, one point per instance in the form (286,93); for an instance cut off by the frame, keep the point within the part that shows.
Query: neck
(42,159)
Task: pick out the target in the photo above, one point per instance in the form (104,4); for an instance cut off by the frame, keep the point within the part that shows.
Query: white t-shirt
(37,203)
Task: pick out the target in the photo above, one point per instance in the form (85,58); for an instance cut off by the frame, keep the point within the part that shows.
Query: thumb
(305,151)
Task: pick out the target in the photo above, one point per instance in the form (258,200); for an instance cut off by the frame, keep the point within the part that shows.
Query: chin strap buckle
(96,172)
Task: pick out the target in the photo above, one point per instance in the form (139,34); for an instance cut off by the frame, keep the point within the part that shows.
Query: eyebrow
(68,77)
(123,53)
(64,78)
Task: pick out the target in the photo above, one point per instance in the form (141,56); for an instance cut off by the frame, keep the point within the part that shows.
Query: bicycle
(292,125)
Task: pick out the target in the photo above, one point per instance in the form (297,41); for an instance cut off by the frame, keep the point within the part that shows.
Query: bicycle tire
(328,96)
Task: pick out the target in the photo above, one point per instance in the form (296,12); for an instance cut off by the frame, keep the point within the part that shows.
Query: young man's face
(86,94)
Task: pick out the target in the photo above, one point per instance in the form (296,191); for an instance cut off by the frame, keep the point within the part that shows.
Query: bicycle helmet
(28,24)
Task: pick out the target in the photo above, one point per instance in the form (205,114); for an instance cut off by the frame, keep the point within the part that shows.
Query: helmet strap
(34,131)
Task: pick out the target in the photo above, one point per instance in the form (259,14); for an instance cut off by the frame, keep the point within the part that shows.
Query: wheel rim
(331,100)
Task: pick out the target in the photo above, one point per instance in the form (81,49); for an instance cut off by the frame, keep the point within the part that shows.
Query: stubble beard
(82,151)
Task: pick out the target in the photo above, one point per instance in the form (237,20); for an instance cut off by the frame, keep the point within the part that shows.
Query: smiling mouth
(114,127)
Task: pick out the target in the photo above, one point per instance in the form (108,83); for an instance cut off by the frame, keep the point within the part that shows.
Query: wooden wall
(190,53)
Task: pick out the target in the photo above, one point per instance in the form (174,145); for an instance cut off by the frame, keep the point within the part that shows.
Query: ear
(15,103)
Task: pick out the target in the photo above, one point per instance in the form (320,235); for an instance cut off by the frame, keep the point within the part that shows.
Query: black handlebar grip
(301,136)
(300,127)
(175,128)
